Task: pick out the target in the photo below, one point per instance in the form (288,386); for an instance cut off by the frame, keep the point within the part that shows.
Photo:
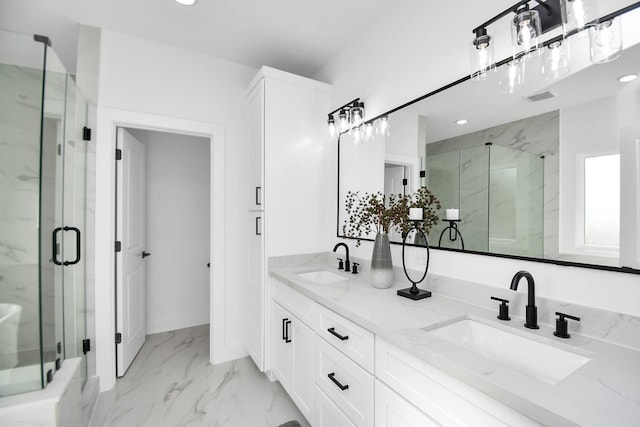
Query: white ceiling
(299,36)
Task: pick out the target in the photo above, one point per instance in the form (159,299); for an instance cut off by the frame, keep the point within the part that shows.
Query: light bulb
(605,41)
(577,13)
(512,77)
(383,126)
(357,134)
(368,131)
(555,60)
(481,50)
(332,126)
(343,120)
(357,113)
(525,29)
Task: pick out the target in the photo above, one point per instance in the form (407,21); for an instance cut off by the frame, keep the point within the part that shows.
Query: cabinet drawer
(327,414)
(348,385)
(445,399)
(294,302)
(394,411)
(351,339)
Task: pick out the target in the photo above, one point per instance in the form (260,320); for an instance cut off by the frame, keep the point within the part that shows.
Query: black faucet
(347,263)
(531,310)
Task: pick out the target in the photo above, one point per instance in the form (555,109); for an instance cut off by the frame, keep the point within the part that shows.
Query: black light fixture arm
(347,105)
(502,14)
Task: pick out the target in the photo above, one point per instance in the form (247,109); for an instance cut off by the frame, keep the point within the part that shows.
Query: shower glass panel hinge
(405,181)
(59,149)
(118,154)
(86,134)
(118,246)
(118,338)
(86,346)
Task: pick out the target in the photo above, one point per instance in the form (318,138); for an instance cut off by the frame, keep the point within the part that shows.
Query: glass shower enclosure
(499,192)
(42,214)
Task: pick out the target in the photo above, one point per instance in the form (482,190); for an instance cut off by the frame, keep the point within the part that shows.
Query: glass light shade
(576,14)
(357,134)
(332,127)
(512,76)
(368,132)
(605,41)
(383,126)
(482,55)
(343,120)
(555,60)
(525,29)
(357,113)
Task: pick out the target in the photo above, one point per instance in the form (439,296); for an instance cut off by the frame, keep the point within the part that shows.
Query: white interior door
(130,232)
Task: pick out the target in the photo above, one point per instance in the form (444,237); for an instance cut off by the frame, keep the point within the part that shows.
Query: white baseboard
(176,322)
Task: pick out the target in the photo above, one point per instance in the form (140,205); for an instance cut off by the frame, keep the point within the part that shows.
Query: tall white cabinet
(289,191)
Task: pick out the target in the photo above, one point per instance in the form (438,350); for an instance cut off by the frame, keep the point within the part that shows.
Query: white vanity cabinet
(293,354)
(288,165)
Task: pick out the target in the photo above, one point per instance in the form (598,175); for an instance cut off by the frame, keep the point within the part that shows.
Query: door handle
(54,249)
(145,254)
(284,329)
(258,226)
(332,377)
(258,196)
(78,250)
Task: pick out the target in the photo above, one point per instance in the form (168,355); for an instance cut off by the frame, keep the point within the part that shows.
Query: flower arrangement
(369,212)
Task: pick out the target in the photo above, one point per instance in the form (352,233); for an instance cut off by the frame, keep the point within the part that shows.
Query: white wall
(412,50)
(177,230)
(146,78)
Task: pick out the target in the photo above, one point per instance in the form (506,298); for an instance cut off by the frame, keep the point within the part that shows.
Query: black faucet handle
(340,264)
(354,268)
(561,324)
(503,313)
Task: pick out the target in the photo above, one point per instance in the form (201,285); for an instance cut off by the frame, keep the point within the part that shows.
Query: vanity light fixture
(350,116)
(482,59)
(383,126)
(529,23)
(627,78)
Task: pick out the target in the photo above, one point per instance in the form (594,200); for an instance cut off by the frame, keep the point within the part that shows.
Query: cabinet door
(394,411)
(255,153)
(328,414)
(281,347)
(302,379)
(255,290)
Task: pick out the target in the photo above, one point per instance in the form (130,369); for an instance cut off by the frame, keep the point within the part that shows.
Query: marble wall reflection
(504,180)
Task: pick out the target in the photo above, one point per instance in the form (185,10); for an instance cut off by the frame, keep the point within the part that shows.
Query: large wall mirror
(550,172)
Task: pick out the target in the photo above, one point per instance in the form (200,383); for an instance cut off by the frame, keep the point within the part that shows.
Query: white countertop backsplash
(605,391)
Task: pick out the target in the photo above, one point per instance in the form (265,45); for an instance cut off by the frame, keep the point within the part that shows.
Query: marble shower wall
(534,137)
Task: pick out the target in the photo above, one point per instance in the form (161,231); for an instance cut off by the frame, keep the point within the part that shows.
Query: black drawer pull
(333,332)
(284,329)
(336,382)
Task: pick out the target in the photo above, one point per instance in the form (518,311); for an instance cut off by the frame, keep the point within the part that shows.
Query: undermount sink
(322,277)
(536,359)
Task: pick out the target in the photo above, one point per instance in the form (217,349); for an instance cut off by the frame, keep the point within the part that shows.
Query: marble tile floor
(171,383)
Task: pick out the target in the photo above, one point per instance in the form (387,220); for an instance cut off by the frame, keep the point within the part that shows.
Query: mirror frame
(497,255)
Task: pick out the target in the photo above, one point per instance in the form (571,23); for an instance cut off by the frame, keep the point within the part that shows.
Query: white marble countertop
(603,392)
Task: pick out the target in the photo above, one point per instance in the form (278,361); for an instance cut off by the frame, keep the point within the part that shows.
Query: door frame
(108,120)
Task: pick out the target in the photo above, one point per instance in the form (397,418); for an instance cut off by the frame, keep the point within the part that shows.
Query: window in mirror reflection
(602,201)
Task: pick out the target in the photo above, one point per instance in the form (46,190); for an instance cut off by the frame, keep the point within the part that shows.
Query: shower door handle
(78,250)
(54,249)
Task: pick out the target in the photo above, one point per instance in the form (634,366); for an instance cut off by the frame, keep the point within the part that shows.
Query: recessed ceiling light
(461,122)
(628,78)
(186,2)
